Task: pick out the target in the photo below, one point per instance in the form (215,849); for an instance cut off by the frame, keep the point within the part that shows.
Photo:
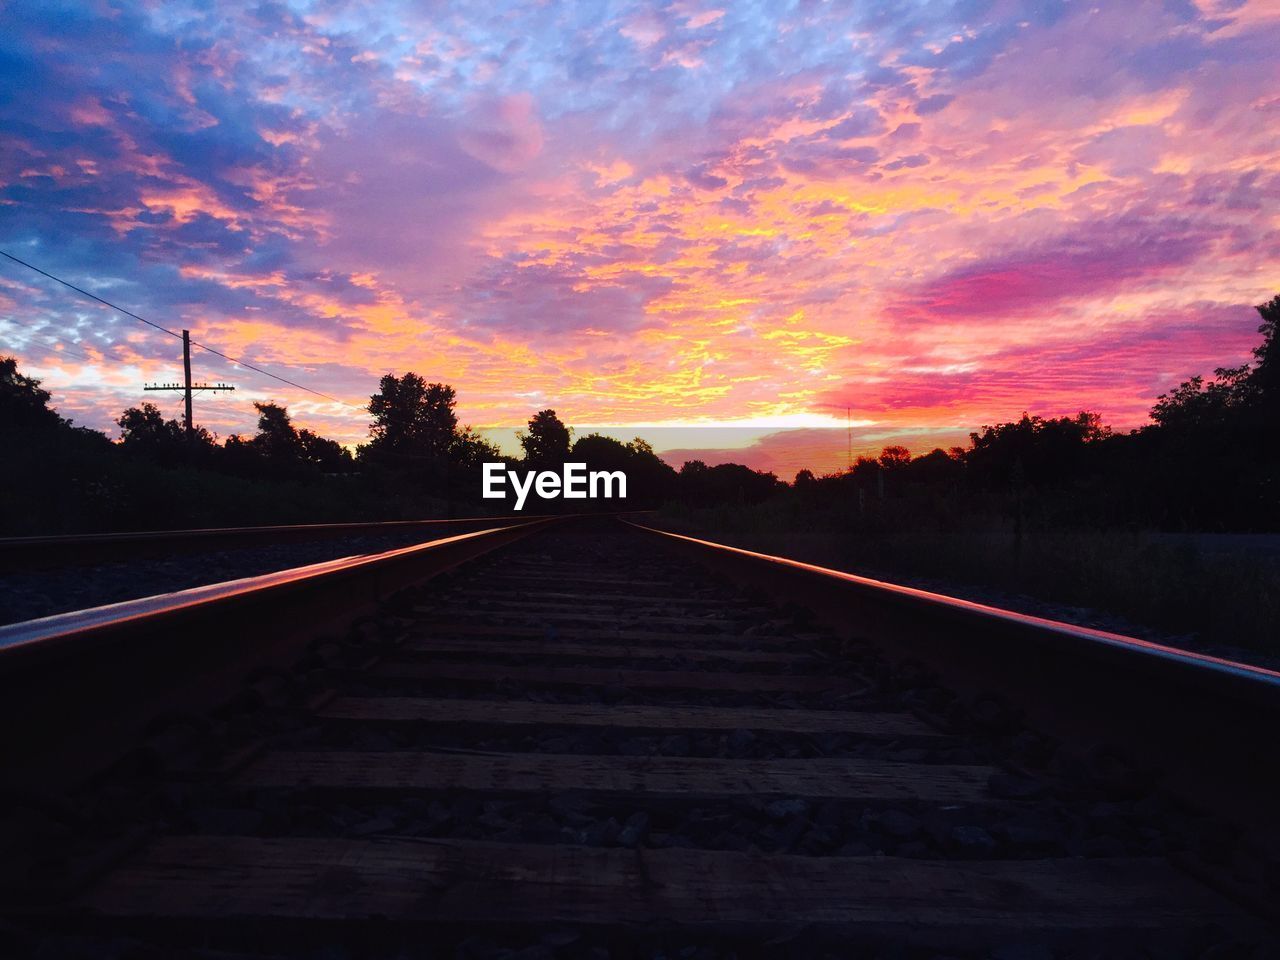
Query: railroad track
(65,550)
(589,743)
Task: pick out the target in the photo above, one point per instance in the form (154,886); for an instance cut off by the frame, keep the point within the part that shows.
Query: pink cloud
(504,133)
(1099,260)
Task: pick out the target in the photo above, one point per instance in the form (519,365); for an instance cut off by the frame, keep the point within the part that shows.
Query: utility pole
(187,386)
(186,380)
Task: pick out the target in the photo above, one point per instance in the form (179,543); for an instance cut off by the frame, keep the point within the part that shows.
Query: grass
(1222,601)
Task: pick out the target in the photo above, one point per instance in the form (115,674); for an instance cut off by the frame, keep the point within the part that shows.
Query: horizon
(759,447)
(712,221)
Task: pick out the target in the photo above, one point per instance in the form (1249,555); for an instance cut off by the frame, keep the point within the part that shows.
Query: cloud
(1099,260)
(861,123)
(933,104)
(906,163)
(700,177)
(942,212)
(1125,151)
(504,133)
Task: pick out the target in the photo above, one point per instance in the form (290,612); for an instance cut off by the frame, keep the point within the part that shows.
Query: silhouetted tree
(894,457)
(327,455)
(144,432)
(412,420)
(725,483)
(24,405)
(654,479)
(277,440)
(1236,393)
(145,426)
(1267,353)
(936,466)
(864,470)
(546,442)
(1050,451)
(650,480)
(55,473)
(599,452)
(1193,405)
(1211,457)
(806,486)
(470,450)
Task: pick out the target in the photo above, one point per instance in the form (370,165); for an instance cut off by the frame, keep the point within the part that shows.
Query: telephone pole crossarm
(187,387)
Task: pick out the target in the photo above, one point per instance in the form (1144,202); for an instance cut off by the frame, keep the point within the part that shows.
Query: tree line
(418,461)
(1209,459)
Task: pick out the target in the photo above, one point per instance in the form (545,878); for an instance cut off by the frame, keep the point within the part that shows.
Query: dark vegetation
(1208,461)
(418,463)
(64,479)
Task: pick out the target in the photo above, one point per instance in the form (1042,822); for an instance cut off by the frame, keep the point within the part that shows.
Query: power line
(91,296)
(163,329)
(266,373)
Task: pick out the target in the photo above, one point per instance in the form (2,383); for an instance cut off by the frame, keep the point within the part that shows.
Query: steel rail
(1257,679)
(1205,725)
(77,625)
(21,553)
(66,679)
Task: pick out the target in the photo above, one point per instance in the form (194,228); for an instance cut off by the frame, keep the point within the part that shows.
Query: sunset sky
(750,215)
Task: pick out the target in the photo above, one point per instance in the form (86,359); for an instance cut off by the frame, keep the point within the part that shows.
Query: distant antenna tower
(848,434)
(187,386)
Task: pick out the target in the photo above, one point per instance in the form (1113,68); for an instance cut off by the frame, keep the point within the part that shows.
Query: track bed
(579,747)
